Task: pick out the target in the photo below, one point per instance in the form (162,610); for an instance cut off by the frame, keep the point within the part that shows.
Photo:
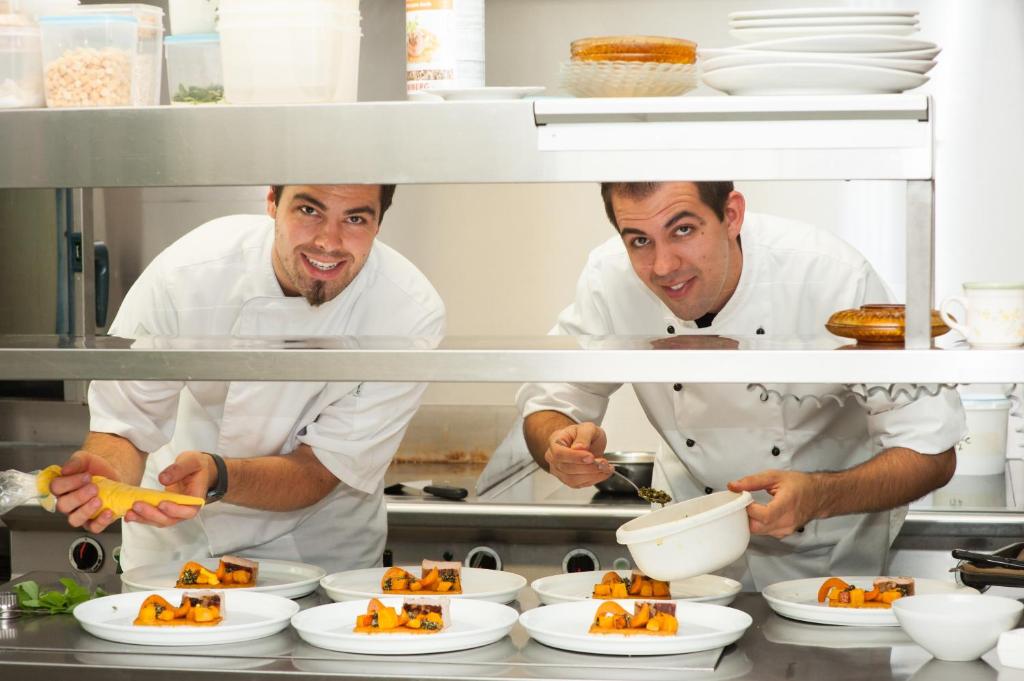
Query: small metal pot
(637,466)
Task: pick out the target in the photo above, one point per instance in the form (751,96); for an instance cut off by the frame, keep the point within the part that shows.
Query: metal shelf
(885,137)
(494,360)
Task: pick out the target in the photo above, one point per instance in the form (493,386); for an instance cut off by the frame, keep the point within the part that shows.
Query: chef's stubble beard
(317,295)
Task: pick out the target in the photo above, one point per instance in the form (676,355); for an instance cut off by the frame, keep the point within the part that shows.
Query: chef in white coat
(831,482)
(297,467)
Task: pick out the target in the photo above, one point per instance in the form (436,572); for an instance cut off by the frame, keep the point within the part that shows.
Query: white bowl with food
(957,627)
(689,538)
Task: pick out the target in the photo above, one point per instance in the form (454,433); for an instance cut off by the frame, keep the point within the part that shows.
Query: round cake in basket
(630,66)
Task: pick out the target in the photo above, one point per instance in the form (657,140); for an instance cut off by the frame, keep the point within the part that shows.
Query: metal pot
(637,466)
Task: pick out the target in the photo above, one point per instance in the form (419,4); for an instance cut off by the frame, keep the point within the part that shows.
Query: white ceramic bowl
(956,627)
(689,538)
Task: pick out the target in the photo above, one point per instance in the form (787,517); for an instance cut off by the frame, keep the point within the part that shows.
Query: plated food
(649,618)
(414,616)
(630,66)
(197,609)
(798,600)
(443,577)
(836,593)
(232,572)
(476,583)
(637,585)
(878,324)
(635,48)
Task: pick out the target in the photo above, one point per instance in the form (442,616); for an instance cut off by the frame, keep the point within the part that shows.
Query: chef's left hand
(189,474)
(794,501)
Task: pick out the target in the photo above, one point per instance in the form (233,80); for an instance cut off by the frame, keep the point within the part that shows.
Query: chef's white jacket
(794,277)
(218,281)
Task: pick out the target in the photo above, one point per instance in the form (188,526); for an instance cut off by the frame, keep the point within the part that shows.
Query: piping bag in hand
(17,487)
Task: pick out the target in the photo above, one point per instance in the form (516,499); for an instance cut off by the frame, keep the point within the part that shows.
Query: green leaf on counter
(31,598)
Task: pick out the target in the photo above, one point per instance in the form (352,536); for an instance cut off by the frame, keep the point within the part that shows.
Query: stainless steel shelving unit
(883,137)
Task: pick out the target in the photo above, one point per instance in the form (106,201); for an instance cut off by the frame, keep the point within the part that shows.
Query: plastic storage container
(42,8)
(21,67)
(89,60)
(192,16)
(148,66)
(297,51)
(194,74)
(983,451)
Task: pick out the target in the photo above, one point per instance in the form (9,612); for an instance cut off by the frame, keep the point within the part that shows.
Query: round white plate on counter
(483,585)
(798,599)
(477,93)
(709,53)
(579,586)
(778,33)
(745,15)
(811,79)
(278,577)
(701,627)
(750,57)
(473,624)
(247,616)
(843,43)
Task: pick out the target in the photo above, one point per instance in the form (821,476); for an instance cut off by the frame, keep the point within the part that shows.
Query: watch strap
(217,492)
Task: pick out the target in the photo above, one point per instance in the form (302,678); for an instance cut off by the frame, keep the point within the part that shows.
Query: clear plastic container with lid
(194,74)
(21,65)
(192,16)
(89,60)
(148,65)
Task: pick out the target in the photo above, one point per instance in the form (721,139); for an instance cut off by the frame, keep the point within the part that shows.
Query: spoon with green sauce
(648,494)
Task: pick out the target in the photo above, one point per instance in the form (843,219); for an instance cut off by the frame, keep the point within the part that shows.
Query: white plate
(747,58)
(819,12)
(843,43)
(480,93)
(877,30)
(701,627)
(477,583)
(798,599)
(578,586)
(247,616)
(278,577)
(707,54)
(474,624)
(811,79)
(823,21)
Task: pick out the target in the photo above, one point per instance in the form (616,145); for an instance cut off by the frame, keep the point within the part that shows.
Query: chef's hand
(575,455)
(192,473)
(77,496)
(794,501)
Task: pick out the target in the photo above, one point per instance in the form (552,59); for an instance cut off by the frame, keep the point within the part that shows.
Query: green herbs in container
(195,94)
(32,598)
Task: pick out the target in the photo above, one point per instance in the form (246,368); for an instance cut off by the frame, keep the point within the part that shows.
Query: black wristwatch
(217,492)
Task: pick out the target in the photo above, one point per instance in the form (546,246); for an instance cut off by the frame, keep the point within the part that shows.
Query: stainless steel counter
(55,648)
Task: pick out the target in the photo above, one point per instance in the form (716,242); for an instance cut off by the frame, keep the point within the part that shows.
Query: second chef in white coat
(831,483)
(303,463)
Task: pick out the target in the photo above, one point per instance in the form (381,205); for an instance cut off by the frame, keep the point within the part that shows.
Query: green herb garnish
(194,94)
(31,598)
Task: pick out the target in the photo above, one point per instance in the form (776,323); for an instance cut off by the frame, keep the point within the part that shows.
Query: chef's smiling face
(322,237)
(679,247)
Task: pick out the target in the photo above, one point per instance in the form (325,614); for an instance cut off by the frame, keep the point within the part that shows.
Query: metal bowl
(637,466)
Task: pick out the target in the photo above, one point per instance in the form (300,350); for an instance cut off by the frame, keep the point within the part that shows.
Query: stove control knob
(483,557)
(580,560)
(86,555)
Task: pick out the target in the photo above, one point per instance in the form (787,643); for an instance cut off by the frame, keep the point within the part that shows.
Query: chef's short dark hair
(713,194)
(387,195)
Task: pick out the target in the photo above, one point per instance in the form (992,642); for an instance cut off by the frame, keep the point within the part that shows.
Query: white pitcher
(995,314)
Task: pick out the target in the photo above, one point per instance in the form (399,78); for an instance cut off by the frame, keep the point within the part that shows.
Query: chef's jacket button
(689,442)
(708,490)
(677,387)
(776,451)
(799,529)
(760,331)
(671,329)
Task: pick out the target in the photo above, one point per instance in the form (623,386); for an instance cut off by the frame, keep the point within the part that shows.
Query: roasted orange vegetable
(831,583)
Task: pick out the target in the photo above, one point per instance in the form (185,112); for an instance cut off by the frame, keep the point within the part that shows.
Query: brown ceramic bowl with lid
(878,324)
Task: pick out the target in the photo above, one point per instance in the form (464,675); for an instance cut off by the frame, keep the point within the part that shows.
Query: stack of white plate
(771,24)
(840,64)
